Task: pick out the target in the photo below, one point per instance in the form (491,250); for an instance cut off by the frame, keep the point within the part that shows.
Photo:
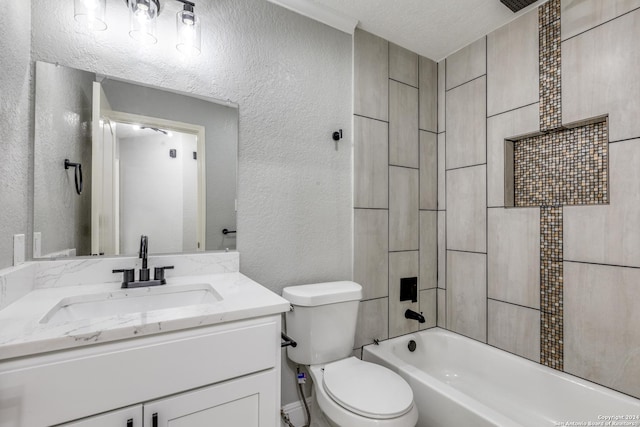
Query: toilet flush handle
(287,341)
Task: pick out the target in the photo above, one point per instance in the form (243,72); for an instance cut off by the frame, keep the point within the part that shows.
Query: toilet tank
(323,321)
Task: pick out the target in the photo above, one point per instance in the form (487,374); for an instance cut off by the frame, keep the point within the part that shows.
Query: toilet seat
(367,389)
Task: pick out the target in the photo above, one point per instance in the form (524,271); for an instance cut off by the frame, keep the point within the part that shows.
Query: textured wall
(62,131)
(291,78)
(15,168)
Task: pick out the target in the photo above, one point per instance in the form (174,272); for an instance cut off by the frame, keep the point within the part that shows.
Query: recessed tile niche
(567,166)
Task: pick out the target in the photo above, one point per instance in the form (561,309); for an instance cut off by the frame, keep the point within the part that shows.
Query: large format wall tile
(428,94)
(403,65)
(442,308)
(403,125)
(428,170)
(466,123)
(467,294)
(513,65)
(510,124)
(371,75)
(428,308)
(513,250)
(601,319)
(442,249)
(371,163)
(515,329)
(371,251)
(599,76)
(609,234)
(373,321)
(442,138)
(403,209)
(442,67)
(401,264)
(428,249)
(581,15)
(467,64)
(466,209)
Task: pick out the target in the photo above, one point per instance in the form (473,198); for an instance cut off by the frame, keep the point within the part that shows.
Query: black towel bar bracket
(77,174)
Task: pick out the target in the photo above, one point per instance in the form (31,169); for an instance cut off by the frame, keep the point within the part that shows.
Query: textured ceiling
(432,28)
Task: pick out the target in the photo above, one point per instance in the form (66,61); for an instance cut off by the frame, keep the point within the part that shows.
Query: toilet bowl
(349,392)
(354,393)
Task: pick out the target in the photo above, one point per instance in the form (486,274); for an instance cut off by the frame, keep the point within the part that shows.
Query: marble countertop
(22,332)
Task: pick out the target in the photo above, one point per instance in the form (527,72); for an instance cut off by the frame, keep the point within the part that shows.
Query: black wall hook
(337,135)
(77,174)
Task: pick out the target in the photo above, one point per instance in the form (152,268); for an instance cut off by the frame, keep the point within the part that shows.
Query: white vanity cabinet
(127,417)
(222,375)
(246,402)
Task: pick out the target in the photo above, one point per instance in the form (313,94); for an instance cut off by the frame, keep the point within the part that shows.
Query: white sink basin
(128,301)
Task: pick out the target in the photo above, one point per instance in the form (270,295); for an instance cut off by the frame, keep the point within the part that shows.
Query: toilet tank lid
(322,293)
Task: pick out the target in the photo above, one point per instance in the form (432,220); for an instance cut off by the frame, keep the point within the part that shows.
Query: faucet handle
(127,276)
(158,273)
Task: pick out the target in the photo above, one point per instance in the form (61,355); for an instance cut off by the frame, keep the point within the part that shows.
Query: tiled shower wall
(489,255)
(395,185)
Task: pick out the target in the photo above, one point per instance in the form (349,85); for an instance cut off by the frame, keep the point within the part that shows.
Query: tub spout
(410,314)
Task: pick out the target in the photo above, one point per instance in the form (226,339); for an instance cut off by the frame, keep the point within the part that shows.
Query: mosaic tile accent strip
(549,12)
(551,288)
(564,167)
(555,168)
(550,65)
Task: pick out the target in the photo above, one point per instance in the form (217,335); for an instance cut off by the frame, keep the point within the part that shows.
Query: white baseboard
(296,413)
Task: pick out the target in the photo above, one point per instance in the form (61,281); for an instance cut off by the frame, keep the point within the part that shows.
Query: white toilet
(349,391)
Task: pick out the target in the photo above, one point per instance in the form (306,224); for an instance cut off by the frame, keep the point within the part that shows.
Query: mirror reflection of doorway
(158,188)
(148,179)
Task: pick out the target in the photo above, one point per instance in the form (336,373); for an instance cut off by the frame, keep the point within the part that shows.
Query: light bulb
(143,14)
(91,14)
(91,4)
(188,32)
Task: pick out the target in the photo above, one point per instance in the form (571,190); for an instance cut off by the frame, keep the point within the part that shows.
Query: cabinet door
(248,402)
(127,417)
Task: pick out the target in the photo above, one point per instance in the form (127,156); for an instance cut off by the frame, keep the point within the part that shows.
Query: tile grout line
(468,81)
(486,183)
(465,167)
(599,25)
(446,219)
(511,110)
(513,303)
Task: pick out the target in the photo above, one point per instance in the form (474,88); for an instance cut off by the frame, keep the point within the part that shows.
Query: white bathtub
(459,382)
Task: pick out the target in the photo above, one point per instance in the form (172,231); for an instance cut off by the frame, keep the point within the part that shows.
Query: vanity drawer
(63,386)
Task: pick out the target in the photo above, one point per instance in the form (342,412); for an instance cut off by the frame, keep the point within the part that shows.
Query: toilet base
(318,418)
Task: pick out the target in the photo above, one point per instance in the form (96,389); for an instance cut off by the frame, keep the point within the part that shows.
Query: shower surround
(534,267)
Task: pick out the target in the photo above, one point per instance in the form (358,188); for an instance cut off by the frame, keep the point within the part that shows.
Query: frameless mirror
(114,160)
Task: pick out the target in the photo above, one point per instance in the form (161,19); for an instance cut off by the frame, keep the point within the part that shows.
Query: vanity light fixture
(188,30)
(143,15)
(91,14)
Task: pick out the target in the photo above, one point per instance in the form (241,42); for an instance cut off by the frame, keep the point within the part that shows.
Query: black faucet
(144,251)
(143,278)
(410,314)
